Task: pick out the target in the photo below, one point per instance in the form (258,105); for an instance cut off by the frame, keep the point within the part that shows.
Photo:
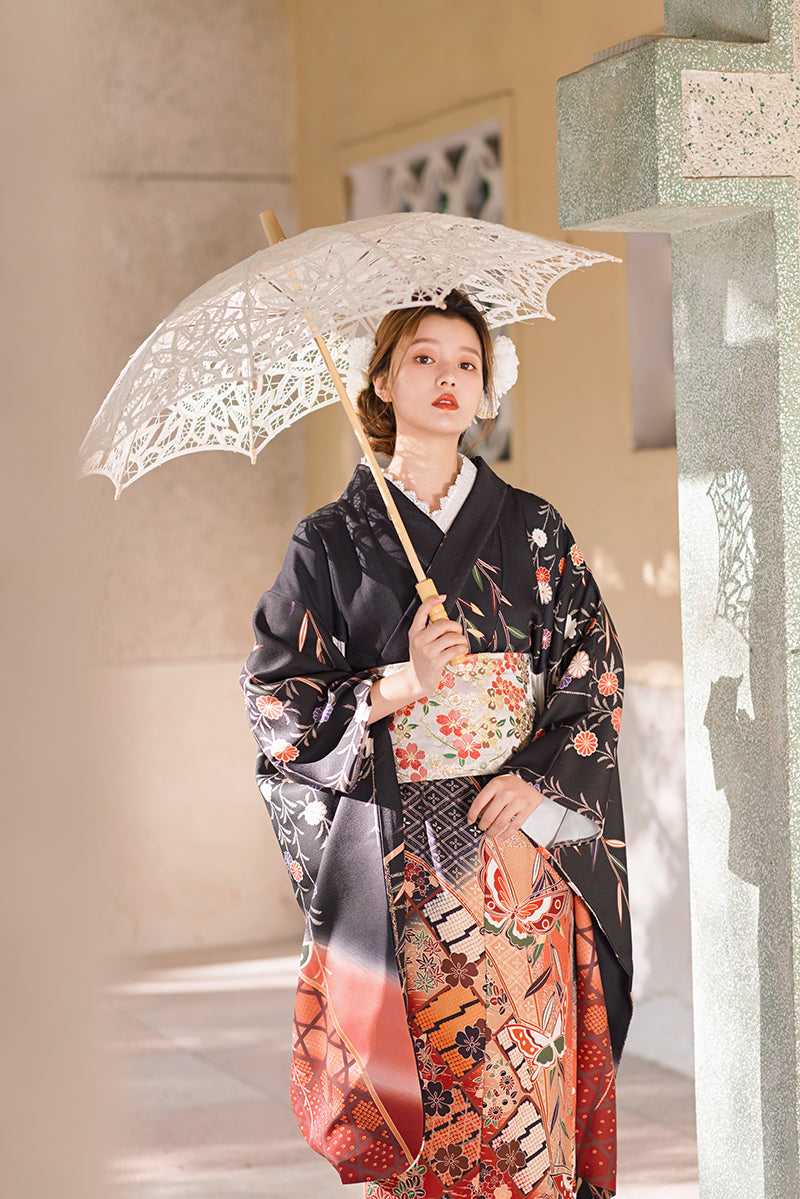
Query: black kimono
(396,1090)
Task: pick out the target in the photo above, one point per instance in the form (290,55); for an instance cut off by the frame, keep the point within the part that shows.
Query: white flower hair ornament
(359,350)
(358,354)
(506,369)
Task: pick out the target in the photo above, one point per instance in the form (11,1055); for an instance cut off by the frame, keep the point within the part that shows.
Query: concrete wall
(369,83)
(187,135)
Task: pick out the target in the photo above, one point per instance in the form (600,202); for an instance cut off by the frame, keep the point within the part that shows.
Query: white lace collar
(451,502)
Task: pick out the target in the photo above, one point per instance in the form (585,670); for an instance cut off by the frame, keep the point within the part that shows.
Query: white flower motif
(539,537)
(314,812)
(359,351)
(579,666)
(506,366)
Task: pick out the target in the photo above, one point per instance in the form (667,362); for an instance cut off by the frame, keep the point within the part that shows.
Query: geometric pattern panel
(444,1018)
(336,1112)
(526,1128)
(454,843)
(454,926)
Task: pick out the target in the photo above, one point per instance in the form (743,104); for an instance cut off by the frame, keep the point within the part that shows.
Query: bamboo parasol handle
(425,586)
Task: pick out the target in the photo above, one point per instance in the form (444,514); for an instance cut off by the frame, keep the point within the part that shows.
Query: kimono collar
(451,501)
(451,563)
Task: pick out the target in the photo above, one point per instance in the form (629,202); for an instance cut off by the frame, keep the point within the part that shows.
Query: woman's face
(438,384)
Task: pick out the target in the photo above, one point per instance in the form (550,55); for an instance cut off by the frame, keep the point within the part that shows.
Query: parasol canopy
(237,361)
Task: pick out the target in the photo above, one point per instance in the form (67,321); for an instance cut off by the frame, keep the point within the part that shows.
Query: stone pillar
(701,138)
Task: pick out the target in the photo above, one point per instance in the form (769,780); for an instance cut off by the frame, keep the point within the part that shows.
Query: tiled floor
(200,1068)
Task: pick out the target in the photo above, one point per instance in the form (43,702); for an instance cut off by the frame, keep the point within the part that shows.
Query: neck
(429,469)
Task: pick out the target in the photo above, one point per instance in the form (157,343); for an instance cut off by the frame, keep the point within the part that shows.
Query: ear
(381,389)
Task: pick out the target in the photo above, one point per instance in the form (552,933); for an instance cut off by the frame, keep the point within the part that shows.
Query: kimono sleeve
(308,710)
(572,756)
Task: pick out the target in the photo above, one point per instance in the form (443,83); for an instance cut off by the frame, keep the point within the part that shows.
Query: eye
(423,359)
(468,366)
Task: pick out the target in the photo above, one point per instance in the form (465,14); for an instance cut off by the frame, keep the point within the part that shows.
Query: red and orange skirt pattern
(505,1006)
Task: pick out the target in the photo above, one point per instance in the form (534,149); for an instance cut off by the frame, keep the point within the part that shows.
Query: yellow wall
(372,78)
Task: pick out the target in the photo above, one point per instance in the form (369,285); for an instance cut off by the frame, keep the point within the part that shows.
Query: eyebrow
(434,341)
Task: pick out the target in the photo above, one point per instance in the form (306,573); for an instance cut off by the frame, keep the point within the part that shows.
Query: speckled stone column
(702,138)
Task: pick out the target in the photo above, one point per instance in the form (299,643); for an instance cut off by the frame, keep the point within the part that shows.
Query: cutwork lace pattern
(233,364)
(450,502)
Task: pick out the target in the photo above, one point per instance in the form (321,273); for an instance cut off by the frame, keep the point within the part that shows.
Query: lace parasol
(236,362)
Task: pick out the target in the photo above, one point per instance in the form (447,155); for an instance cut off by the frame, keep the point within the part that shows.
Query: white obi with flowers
(480,715)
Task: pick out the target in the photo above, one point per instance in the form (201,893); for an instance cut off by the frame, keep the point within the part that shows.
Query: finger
(500,827)
(513,827)
(431,643)
(481,800)
(435,629)
(446,644)
(496,813)
(423,611)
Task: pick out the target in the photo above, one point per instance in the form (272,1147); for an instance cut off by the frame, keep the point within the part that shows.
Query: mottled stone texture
(716,130)
(718,20)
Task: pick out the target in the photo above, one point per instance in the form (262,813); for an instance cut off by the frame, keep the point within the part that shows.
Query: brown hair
(394,332)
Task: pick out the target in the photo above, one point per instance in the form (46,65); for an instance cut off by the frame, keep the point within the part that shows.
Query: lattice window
(461,174)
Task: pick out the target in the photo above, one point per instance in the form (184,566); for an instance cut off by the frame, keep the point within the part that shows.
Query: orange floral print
(269,706)
(282,751)
(585,743)
(607,683)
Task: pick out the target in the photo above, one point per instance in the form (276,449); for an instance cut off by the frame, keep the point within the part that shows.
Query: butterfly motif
(503,912)
(563,1186)
(540,1047)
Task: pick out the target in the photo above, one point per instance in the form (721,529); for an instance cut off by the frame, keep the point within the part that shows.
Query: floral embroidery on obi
(481,714)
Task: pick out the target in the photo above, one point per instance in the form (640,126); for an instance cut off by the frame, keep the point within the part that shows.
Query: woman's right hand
(431,645)
(430,648)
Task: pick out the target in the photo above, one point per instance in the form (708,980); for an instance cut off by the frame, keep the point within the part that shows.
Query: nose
(447,374)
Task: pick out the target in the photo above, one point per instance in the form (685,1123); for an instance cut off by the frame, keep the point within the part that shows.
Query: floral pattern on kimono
(340,609)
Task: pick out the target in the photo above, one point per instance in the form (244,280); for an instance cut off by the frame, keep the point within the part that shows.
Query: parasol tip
(272,227)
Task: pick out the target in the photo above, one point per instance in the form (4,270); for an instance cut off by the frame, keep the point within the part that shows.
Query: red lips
(446,401)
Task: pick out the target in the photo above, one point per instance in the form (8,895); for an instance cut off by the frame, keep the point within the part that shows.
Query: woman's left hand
(503,805)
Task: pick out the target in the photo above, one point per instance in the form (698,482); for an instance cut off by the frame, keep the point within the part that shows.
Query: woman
(453,828)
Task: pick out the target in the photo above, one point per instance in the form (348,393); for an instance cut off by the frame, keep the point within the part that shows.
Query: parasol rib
(425,586)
